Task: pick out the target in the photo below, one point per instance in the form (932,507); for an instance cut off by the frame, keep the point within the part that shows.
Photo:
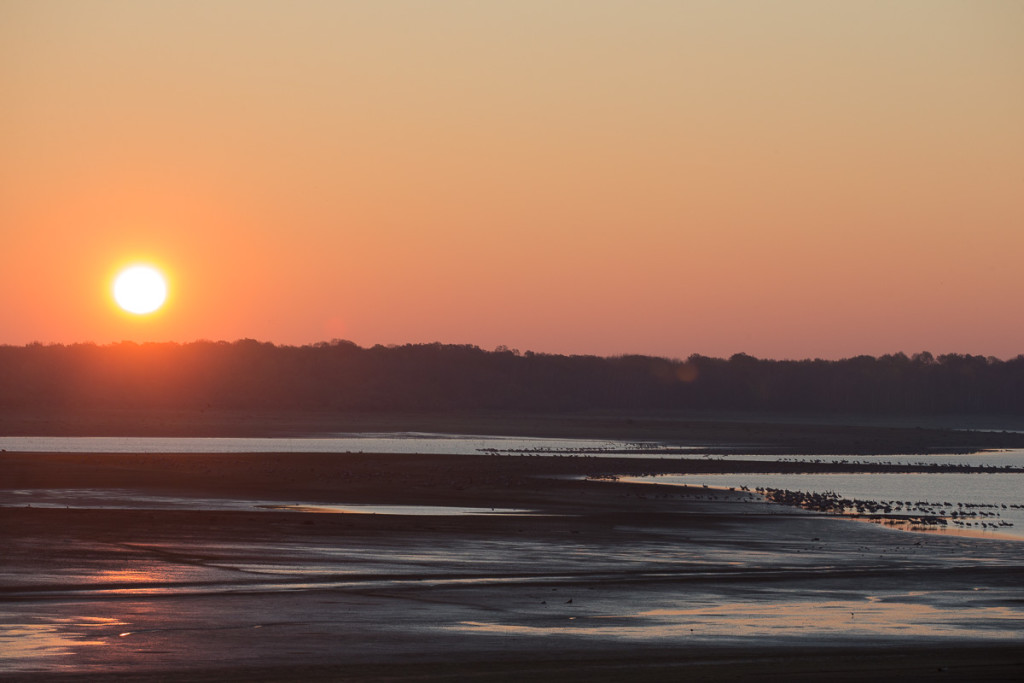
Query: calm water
(183,603)
(407,442)
(126,499)
(1000,496)
(425,443)
(984,503)
(1001,458)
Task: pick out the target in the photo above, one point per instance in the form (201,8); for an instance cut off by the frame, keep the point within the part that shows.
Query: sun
(140,289)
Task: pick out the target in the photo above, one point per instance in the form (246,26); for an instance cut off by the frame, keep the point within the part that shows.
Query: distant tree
(340,375)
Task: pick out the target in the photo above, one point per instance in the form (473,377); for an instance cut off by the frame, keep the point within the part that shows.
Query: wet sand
(602,581)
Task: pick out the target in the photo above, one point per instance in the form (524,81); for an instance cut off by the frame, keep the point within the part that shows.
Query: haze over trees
(342,376)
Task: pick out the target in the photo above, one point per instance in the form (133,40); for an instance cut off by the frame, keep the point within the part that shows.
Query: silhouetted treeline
(343,376)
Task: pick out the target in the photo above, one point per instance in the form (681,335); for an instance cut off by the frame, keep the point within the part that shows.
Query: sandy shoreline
(608,580)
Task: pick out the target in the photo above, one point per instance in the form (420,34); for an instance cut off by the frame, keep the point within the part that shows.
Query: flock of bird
(919,513)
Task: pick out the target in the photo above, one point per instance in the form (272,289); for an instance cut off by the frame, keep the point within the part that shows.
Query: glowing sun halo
(140,289)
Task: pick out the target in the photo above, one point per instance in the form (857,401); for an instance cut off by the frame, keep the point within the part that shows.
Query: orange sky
(785,179)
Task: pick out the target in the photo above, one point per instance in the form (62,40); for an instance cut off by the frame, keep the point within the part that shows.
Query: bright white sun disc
(140,289)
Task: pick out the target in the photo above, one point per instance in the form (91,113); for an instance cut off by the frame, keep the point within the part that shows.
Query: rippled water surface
(98,603)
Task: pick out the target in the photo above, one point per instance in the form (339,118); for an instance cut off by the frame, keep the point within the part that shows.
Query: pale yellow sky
(787,179)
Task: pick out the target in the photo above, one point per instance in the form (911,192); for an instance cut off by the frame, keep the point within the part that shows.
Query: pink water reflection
(827,619)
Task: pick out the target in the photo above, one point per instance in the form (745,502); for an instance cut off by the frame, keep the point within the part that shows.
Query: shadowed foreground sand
(600,581)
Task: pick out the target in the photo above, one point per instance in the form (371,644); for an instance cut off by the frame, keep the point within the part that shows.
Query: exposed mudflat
(601,580)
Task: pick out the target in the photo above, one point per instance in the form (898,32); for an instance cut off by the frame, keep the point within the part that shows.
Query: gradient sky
(788,179)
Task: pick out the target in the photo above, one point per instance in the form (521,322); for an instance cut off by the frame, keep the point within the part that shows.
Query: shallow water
(126,499)
(984,503)
(1010,458)
(753,578)
(822,617)
(177,606)
(458,444)
(404,442)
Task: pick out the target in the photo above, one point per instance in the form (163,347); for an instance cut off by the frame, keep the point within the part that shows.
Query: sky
(787,179)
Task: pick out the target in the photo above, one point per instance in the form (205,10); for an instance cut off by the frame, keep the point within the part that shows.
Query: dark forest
(342,376)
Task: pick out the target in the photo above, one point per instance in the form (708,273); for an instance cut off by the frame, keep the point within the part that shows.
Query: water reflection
(147,577)
(28,641)
(126,499)
(985,505)
(399,442)
(880,616)
(415,510)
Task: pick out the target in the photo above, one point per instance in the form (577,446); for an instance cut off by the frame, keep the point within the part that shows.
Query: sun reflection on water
(26,641)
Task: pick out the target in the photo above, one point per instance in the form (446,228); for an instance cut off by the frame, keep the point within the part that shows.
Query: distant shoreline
(341,377)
